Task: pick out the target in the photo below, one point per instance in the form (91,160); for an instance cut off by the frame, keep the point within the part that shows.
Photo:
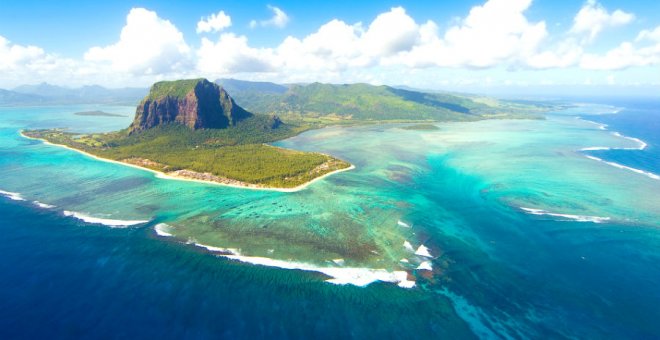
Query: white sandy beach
(163,175)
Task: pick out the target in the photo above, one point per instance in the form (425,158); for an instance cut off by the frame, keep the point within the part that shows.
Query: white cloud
(231,54)
(279,19)
(391,32)
(594,18)
(565,54)
(391,48)
(147,45)
(643,51)
(214,23)
(21,64)
(492,34)
(13,56)
(649,35)
(623,56)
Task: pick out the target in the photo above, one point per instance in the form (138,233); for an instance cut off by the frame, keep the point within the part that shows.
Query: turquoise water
(527,236)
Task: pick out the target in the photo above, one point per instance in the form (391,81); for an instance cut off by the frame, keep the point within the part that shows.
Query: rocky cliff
(195,103)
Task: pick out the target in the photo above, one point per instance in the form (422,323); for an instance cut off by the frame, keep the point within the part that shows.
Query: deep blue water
(62,278)
(640,119)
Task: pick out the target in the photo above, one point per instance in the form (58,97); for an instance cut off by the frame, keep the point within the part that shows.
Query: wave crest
(104,221)
(577,218)
(12,195)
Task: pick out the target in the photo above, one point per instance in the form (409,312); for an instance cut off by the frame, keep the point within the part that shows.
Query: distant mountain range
(44,93)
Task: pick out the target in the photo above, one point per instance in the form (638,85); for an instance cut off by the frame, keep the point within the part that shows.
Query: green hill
(364,103)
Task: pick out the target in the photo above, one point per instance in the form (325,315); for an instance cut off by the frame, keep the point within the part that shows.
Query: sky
(423,44)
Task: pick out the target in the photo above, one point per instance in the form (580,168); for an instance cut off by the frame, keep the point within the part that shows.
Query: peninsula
(192,129)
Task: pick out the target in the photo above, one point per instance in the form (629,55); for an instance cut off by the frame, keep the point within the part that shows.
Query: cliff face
(197,104)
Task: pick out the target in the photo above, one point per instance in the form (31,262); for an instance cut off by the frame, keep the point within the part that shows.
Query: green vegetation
(232,154)
(359,103)
(421,127)
(177,89)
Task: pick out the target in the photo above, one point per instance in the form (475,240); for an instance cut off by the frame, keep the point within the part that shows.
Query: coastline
(163,175)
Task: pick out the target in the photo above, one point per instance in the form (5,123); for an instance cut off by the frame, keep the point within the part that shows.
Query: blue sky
(430,44)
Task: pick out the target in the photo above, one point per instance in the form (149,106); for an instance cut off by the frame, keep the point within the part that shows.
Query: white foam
(423,251)
(403,224)
(600,126)
(232,251)
(404,260)
(12,195)
(620,166)
(104,221)
(426,265)
(408,246)
(163,229)
(339,262)
(339,275)
(577,218)
(345,275)
(595,148)
(43,205)
(641,144)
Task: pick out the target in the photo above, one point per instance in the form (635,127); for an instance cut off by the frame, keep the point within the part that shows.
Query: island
(192,129)
(98,114)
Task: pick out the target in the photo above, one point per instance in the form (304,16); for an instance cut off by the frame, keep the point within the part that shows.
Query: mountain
(363,102)
(195,103)
(45,90)
(45,93)
(8,97)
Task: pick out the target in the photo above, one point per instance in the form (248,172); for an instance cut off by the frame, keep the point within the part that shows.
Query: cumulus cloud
(643,51)
(279,19)
(214,23)
(391,32)
(649,35)
(495,34)
(623,56)
(594,18)
(231,54)
(13,56)
(147,45)
(20,63)
(492,34)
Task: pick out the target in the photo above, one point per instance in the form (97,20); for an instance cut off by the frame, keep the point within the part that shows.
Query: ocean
(491,229)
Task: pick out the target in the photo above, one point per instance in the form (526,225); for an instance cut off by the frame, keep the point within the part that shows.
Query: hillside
(369,103)
(193,129)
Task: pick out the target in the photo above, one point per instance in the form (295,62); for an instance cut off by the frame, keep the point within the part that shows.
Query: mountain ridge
(361,102)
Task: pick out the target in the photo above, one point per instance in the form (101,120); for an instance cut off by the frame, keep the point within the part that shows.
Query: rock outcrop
(195,103)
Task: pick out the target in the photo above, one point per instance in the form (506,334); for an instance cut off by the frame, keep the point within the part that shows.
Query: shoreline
(162,175)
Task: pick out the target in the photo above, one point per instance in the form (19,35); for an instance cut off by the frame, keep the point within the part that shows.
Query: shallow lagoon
(460,191)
